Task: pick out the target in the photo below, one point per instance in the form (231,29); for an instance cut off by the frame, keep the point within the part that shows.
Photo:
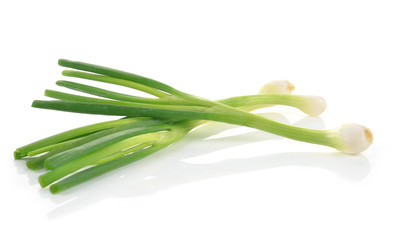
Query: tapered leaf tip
(29,165)
(61,61)
(60,83)
(54,189)
(17,154)
(32,165)
(42,182)
(34,103)
(46,92)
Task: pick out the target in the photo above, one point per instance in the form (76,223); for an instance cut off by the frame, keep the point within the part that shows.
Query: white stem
(352,138)
(313,105)
(277,86)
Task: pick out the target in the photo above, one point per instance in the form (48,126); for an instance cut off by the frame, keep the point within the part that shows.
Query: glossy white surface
(239,183)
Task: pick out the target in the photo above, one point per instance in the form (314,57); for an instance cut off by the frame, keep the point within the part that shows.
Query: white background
(240,185)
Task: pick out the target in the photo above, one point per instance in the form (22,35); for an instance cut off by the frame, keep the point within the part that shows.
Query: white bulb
(313,105)
(353,138)
(277,86)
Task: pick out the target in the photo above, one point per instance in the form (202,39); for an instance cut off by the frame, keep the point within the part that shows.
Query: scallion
(150,124)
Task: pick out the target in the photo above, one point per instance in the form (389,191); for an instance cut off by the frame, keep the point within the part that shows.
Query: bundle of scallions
(149,124)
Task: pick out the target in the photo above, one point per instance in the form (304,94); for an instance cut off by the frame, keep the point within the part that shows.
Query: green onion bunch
(149,124)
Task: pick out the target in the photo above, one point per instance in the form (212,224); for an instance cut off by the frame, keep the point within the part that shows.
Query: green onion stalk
(151,124)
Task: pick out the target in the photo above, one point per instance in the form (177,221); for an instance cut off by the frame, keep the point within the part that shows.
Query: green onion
(151,124)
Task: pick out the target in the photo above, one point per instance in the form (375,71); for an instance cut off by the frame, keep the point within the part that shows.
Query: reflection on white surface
(170,167)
